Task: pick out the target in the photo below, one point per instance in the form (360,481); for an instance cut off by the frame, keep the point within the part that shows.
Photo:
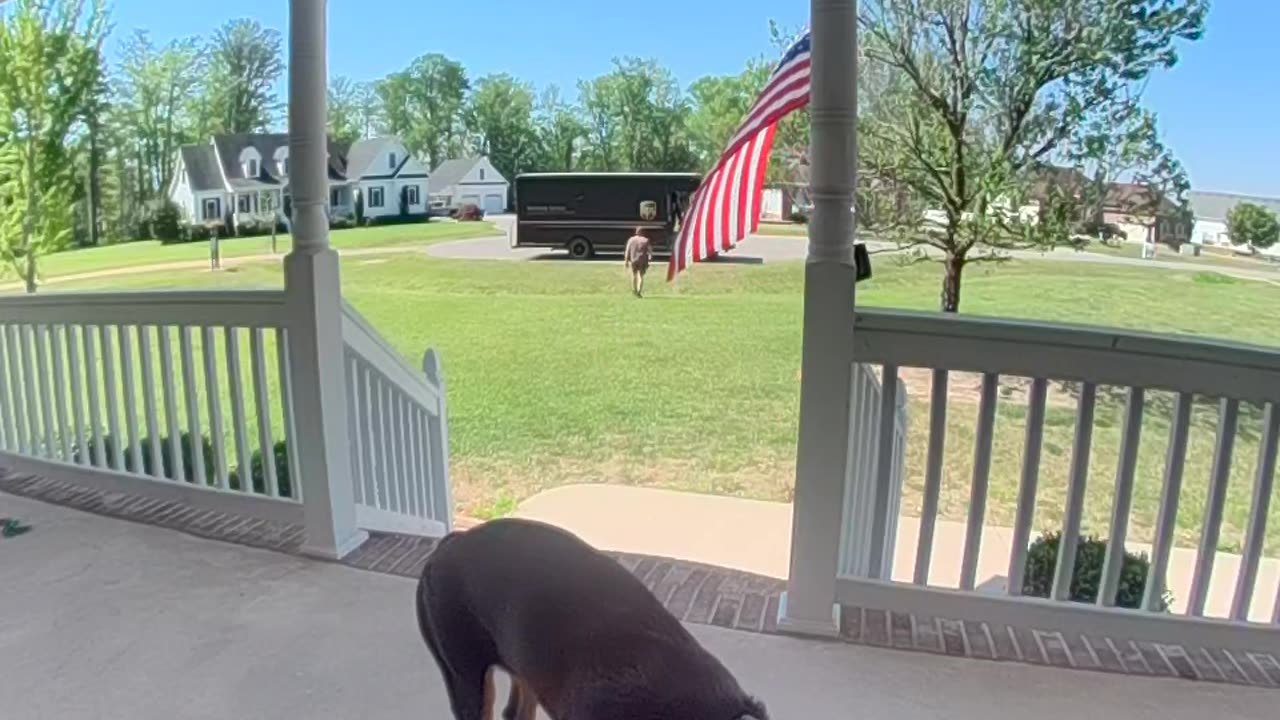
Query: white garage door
(494,203)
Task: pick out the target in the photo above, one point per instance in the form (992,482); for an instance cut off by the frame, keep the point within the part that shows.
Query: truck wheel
(580,248)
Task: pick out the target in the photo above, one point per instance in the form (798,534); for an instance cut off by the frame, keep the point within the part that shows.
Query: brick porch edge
(706,594)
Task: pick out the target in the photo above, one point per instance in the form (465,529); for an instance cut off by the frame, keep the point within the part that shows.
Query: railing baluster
(879,567)
(238,431)
(57,334)
(21,432)
(402,476)
(7,433)
(1167,518)
(411,459)
(1078,479)
(191,394)
(1256,535)
(438,442)
(262,403)
(1211,530)
(422,472)
(46,392)
(388,444)
(75,370)
(38,444)
(209,354)
(1122,503)
(1027,486)
(130,400)
(286,405)
(353,428)
(149,402)
(91,386)
(169,392)
(932,476)
(364,397)
(109,384)
(377,443)
(981,478)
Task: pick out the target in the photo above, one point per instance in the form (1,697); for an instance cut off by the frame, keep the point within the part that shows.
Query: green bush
(89,454)
(1091,553)
(166,223)
(254,228)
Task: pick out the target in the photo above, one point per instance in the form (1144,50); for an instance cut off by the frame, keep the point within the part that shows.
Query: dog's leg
(521,704)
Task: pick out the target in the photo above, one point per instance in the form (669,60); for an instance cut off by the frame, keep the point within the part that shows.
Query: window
(335,197)
(391,161)
(212,209)
(413,195)
(251,168)
(242,203)
(482,174)
(375,197)
(285,166)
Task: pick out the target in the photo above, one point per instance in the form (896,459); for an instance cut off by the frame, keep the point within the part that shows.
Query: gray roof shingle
(202,167)
(1216,205)
(449,173)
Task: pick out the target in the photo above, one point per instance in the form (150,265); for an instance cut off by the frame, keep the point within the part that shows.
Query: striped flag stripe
(725,208)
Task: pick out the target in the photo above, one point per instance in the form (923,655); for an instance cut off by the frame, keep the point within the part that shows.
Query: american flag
(726,205)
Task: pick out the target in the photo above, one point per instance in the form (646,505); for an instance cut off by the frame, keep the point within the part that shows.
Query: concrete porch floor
(108,619)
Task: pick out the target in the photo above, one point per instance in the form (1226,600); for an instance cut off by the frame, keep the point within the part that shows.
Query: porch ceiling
(154,624)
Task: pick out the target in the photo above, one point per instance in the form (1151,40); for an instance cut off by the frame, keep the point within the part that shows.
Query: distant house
(468,181)
(1145,215)
(1211,210)
(246,176)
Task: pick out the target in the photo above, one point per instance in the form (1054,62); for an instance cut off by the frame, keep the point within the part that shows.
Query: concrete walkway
(755,537)
(107,619)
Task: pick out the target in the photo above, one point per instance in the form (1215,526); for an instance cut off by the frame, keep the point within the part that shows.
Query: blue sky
(1219,108)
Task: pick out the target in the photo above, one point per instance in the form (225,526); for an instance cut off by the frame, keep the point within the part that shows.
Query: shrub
(798,216)
(89,454)
(257,471)
(469,213)
(1091,553)
(254,228)
(166,223)
(341,223)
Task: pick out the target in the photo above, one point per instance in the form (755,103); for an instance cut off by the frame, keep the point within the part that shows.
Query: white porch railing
(189,396)
(861,481)
(399,436)
(1136,362)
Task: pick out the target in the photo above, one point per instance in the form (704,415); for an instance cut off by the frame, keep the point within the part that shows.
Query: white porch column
(314,295)
(827,356)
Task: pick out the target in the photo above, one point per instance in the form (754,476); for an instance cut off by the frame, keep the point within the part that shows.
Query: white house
(1211,210)
(247,176)
(468,181)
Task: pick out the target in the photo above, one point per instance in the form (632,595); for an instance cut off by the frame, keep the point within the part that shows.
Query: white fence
(864,532)
(1033,355)
(188,395)
(399,436)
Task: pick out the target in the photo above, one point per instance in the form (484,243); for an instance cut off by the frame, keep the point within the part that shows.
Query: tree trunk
(29,272)
(954,265)
(95,186)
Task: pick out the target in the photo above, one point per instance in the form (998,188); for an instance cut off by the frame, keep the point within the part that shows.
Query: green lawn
(134,254)
(556,375)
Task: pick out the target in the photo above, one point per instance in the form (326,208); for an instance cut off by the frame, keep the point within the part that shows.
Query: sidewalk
(755,536)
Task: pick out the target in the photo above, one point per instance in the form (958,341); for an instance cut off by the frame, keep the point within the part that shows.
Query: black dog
(580,635)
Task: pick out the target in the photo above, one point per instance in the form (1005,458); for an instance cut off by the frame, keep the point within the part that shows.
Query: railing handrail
(361,338)
(1109,356)
(240,308)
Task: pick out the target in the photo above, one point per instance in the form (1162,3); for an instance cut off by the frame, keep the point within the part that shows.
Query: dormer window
(482,174)
(281,156)
(391,161)
(251,168)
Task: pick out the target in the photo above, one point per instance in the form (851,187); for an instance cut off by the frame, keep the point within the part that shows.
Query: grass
(557,376)
(133,254)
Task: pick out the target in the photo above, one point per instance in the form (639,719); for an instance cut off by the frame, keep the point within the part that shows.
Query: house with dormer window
(245,178)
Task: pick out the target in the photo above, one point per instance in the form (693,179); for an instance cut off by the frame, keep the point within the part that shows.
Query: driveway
(108,619)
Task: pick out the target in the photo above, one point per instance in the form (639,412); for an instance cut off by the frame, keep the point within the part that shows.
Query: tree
(344,110)
(245,63)
(561,133)
(152,88)
(499,121)
(720,103)
(423,105)
(979,96)
(1253,225)
(636,117)
(51,54)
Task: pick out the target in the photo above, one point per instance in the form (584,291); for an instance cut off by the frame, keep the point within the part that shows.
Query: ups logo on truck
(648,210)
